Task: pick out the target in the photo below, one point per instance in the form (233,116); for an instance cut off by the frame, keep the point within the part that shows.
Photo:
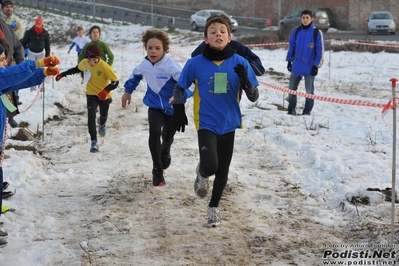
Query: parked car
(381,22)
(331,16)
(198,19)
(321,20)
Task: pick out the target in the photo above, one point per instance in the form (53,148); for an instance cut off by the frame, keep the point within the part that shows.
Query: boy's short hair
(217,18)
(306,12)
(79,28)
(95,27)
(156,34)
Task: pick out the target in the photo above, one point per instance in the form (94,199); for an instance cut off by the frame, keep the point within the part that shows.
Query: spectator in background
(16,53)
(105,53)
(37,39)
(240,49)
(305,56)
(79,41)
(15,56)
(14,22)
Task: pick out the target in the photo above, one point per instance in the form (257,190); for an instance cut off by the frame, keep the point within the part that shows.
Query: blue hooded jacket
(303,52)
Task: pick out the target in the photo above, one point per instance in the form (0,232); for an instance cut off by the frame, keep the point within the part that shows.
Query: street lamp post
(152,13)
(94,9)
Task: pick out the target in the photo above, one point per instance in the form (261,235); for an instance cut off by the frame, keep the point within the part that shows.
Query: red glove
(103,95)
(48,61)
(51,71)
(58,77)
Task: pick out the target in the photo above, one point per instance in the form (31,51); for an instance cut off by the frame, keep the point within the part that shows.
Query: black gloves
(315,69)
(179,120)
(112,86)
(289,66)
(243,76)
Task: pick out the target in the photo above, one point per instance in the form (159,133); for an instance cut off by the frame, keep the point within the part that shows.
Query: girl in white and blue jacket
(161,74)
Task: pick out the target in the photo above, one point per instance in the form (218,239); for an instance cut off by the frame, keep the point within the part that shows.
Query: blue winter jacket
(16,77)
(218,112)
(161,77)
(303,52)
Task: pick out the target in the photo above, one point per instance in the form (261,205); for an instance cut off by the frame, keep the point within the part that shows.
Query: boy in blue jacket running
(220,77)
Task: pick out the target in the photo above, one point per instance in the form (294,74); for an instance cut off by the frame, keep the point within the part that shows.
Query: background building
(350,14)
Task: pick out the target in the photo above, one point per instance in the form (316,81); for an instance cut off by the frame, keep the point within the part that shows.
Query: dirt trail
(126,221)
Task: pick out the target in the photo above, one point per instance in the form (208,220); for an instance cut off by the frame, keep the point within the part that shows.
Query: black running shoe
(7,194)
(5,185)
(157,178)
(3,242)
(3,234)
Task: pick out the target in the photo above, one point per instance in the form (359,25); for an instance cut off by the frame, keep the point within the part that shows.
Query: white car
(198,19)
(381,22)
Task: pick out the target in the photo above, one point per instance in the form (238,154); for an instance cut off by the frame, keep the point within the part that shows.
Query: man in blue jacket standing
(305,56)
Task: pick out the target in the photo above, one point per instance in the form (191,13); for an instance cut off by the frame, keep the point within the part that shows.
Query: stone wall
(350,14)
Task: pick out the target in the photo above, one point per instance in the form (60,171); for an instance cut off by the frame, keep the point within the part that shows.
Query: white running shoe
(213,217)
(201,185)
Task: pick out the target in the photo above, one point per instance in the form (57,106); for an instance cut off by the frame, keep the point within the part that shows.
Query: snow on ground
(295,185)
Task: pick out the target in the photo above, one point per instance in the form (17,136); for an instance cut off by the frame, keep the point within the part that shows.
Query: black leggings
(81,73)
(160,127)
(216,152)
(92,104)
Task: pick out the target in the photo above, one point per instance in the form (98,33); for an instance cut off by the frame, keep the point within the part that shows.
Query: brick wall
(350,14)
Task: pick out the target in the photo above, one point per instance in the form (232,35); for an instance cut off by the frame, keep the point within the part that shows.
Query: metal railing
(175,12)
(132,12)
(102,11)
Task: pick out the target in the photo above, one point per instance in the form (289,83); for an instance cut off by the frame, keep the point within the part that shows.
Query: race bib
(220,85)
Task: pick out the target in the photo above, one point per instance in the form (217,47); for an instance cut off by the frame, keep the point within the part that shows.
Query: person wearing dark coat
(16,53)
(37,40)
(15,56)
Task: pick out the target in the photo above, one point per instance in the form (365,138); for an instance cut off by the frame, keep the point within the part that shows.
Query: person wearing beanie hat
(14,22)
(37,40)
(13,78)
(101,80)
(6,3)
(39,22)
(92,51)
(105,52)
